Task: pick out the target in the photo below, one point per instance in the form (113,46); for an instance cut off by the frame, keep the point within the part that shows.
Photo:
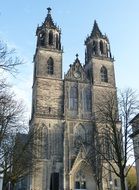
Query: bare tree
(19,148)
(23,157)
(11,121)
(113,128)
(13,150)
(8,59)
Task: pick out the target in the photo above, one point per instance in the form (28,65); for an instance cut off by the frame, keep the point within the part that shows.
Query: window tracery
(57,41)
(87,99)
(73,98)
(94,47)
(79,136)
(50,66)
(50,38)
(101,47)
(80,181)
(42,39)
(104,74)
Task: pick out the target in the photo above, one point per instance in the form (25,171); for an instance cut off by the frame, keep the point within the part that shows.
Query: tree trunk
(122,180)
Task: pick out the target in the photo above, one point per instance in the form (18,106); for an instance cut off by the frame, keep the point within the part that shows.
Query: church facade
(63,109)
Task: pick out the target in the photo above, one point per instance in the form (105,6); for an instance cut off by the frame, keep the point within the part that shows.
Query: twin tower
(62,109)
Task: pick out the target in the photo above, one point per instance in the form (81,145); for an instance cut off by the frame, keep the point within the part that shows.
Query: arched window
(50,66)
(87,99)
(94,47)
(57,41)
(56,139)
(101,47)
(105,48)
(79,136)
(73,103)
(50,38)
(104,74)
(80,181)
(42,39)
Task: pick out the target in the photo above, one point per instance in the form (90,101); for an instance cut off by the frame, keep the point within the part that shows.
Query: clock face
(77,74)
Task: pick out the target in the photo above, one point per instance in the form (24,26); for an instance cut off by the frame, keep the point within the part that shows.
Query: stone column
(66,159)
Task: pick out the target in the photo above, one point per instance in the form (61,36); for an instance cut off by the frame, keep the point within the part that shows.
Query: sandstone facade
(64,109)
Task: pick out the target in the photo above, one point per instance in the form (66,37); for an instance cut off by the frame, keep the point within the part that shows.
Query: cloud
(22,82)
(22,89)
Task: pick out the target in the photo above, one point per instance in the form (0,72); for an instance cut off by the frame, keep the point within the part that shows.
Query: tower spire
(49,35)
(97,44)
(96,31)
(48,20)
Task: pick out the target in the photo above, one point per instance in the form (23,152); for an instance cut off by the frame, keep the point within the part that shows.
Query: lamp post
(110,178)
(9,185)
(111,184)
(1,181)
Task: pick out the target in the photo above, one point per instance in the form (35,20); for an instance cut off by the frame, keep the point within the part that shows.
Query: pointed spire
(96,31)
(48,20)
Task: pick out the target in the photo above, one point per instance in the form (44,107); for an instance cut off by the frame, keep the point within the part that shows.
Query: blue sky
(118,19)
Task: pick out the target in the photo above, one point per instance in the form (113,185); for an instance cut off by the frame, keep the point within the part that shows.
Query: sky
(118,19)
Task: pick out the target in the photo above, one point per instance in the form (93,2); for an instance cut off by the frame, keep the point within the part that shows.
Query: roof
(76,71)
(96,31)
(135,118)
(48,20)
(134,133)
(135,121)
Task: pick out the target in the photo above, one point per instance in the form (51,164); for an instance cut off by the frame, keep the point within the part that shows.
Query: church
(63,109)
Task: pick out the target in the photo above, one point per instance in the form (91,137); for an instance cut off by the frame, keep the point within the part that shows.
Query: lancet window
(50,66)
(94,47)
(101,47)
(104,74)
(42,39)
(73,98)
(87,99)
(57,41)
(50,38)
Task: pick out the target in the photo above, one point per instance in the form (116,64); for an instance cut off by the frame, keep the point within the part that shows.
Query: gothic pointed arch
(87,99)
(105,48)
(56,139)
(42,38)
(79,136)
(50,66)
(50,38)
(104,74)
(101,46)
(73,99)
(57,41)
(94,47)
(82,174)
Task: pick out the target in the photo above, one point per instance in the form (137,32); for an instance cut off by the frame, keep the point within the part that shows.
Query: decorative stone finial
(77,55)
(49,10)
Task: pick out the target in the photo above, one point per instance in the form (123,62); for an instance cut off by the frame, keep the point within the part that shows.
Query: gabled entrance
(81,174)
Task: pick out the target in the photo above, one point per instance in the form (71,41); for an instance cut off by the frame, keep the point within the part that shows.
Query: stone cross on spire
(77,55)
(49,10)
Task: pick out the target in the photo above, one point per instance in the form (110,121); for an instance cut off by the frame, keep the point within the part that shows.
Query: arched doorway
(82,176)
